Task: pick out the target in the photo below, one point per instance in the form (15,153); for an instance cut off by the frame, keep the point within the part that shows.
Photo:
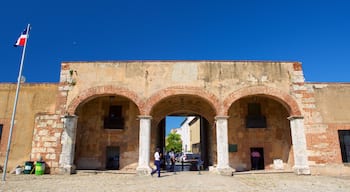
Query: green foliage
(174,142)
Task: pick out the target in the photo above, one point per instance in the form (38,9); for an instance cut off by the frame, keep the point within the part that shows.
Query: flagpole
(15,105)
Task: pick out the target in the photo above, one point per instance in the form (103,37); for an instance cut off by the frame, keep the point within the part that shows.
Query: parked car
(189,157)
(179,157)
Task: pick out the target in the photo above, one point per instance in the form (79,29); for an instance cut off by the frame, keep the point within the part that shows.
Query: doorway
(193,132)
(344,141)
(257,158)
(112,158)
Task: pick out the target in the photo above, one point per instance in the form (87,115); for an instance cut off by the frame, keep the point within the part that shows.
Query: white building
(185,134)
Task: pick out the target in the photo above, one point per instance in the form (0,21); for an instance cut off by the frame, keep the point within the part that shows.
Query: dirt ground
(181,181)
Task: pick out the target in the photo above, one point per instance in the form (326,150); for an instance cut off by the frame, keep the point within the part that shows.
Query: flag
(21,41)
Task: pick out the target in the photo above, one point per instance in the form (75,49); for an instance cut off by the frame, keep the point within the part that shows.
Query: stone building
(111,115)
(195,136)
(191,134)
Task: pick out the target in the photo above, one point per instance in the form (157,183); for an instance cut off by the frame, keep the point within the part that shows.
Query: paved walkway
(182,181)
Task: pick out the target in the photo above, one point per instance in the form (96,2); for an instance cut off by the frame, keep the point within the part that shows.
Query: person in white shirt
(157,156)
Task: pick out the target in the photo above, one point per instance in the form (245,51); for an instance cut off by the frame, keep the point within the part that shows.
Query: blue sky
(173,122)
(314,32)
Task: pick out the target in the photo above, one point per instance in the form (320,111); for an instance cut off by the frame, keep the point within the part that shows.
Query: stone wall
(46,143)
(34,99)
(327,113)
(147,78)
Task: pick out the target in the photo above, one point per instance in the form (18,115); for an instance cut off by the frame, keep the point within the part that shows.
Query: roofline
(131,61)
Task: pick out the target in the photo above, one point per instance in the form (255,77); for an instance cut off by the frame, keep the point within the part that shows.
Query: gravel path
(182,181)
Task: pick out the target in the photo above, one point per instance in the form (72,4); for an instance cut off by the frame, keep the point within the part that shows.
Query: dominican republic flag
(21,41)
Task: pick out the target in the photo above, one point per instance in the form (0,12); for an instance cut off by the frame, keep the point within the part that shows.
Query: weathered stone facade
(69,131)
(34,101)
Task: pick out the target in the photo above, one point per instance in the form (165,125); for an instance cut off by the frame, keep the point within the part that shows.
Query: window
(254,119)
(115,119)
(1,126)
(344,141)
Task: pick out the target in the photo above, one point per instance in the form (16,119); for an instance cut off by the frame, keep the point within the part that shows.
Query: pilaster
(301,165)
(144,145)
(68,144)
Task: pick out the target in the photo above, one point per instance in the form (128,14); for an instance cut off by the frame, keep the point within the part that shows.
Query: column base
(143,171)
(302,170)
(226,171)
(67,169)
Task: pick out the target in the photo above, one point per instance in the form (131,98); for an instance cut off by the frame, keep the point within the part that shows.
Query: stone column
(144,145)
(222,146)
(68,144)
(301,165)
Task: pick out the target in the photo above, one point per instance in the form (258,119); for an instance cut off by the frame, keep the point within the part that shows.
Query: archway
(200,111)
(260,124)
(106,133)
(285,99)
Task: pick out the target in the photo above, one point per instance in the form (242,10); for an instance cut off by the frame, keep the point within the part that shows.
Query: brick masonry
(46,143)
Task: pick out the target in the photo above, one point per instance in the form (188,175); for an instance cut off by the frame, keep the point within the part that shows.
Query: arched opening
(196,130)
(107,133)
(259,124)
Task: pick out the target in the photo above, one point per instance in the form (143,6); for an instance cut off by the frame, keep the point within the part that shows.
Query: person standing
(255,157)
(157,156)
(172,160)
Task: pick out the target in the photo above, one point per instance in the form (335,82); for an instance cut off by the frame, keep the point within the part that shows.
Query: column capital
(295,117)
(219,117)
(144,117)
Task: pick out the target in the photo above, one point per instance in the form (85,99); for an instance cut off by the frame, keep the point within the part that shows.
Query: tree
(174,142)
